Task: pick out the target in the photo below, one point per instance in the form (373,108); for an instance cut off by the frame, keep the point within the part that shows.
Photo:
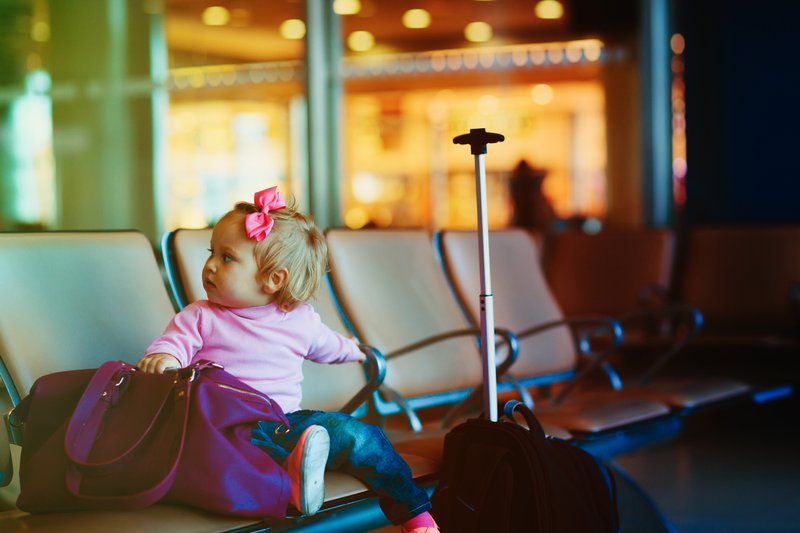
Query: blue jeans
(358,449)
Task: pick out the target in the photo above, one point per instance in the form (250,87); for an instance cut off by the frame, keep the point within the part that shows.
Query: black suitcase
(502,477)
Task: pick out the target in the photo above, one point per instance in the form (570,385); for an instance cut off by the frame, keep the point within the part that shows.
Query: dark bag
(502,477)
(117,438)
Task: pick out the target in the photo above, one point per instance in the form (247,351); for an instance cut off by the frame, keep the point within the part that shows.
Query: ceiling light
(360,41)
(346,7)
(292,29)
(542,94)
(416,19)
(478,32)
(549,9)
(216,16)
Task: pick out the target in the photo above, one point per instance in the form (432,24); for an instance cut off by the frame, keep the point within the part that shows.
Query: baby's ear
(275,281)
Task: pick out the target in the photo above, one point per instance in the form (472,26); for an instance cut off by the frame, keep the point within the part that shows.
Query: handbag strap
(104,390)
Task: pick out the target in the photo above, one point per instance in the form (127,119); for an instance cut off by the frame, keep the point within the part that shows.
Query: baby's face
(230,272)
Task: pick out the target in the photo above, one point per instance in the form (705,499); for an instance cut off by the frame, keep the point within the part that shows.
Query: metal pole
(477,139)
(486,297)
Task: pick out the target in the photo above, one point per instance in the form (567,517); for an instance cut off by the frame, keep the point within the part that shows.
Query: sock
(421,520)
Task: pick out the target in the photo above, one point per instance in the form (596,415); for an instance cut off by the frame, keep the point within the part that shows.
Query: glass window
(27,169)
(236,105)
(417,76)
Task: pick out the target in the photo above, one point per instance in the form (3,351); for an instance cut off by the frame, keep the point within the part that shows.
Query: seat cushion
(164,518)
(689,392)
(597,412)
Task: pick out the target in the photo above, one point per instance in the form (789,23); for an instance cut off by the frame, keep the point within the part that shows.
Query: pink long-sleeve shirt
(263,346)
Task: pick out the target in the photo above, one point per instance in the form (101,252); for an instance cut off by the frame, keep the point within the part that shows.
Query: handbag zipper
(251,393)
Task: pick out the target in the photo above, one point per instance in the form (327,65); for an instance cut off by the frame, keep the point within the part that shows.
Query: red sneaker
(306,469)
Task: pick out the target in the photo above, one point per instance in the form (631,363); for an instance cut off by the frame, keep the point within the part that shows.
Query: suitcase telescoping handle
(478,138)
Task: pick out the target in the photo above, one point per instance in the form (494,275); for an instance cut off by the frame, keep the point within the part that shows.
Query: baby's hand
(158,363)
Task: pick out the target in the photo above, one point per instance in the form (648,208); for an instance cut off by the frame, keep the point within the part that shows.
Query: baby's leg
(303,454)
(358,449)
(363,451)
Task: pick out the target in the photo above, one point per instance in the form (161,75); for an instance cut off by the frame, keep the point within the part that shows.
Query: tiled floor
(732,471)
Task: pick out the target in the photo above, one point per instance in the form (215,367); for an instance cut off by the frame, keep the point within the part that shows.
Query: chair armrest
(593,326)
(512,341)
(689,323)
(612,325)
(509,339)
(653,294)
(375,368)
(679,315)
(428,341)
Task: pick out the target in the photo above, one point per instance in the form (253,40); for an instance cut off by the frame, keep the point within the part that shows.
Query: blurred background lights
(346,7)
(574,52)
(555,55)
(416,19)
(488,104)
(292,29)
(216,16)
(356,218)
(549,9)
(677,43)
(542,94)
(240,17)
(360,41)
(367,187)
(40,31)
(679,167)
(478,32)
(592,48)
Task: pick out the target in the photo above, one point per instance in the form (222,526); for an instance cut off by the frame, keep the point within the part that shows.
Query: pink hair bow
(258,225)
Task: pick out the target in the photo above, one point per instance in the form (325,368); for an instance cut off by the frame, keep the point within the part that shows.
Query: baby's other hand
(158,363)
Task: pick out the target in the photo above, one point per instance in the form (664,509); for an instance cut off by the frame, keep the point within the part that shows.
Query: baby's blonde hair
(296,244)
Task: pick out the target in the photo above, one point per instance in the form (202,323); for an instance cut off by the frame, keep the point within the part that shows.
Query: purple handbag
(117,438)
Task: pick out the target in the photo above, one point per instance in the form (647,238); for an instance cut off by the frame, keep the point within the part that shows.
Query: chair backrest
(184,252)
(607,271)
(741,278)
(74,300)
(395,294)
(325,387)
(521,296)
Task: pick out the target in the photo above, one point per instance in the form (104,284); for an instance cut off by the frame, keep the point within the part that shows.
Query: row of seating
(745,279)
(75,299)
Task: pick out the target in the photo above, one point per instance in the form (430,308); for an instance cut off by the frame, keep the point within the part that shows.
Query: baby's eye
(209,251)
(226,258)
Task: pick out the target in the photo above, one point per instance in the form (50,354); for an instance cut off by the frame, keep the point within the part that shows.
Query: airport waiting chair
(624,273)
(76,299)
(746,281)
(612,272)
(185,251)
(397,298)
(71,301)
(325,387)
(522,299)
